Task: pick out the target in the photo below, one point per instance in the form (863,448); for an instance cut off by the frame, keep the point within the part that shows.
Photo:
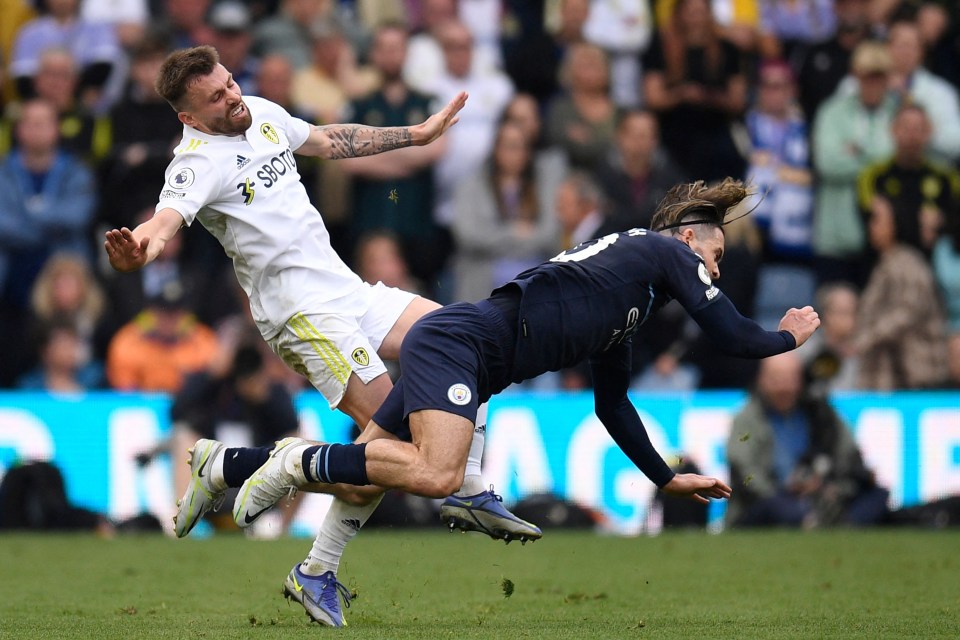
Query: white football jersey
(246,191)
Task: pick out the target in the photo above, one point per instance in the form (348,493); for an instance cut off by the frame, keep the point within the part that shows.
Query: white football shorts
(327,347)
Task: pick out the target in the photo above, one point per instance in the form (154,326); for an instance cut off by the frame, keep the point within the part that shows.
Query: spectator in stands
(798,24)
(288,33)
(581,121)
(920,192)
(62,367)
(275,81)
(572,16)
(128,18)
(161,346)
(185,22)
(93,45)
(901,337)
(66,292)
(793,461)
(395,191)
(851,132)
(916,85)
(81,133)
(831,359)
(240,406)
(523,111)
(379,258)
(230,23)
(143,137)
(637,172)
(824,65)
(47,198)
(622,28)
(469,143)
(579,208)
(424,64)
(941,40)
(532,51)
(780,167)
(323,88)
(504,217)
(946,269)
(737,21)
(694,81)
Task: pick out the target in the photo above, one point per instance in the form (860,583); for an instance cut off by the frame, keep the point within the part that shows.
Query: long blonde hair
(41,297)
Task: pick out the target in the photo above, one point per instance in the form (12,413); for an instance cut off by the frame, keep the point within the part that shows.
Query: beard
(229,126)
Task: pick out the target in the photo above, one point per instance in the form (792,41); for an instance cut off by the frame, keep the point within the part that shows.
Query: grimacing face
(215,105)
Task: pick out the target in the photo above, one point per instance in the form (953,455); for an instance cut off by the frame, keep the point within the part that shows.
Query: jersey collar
(196,133)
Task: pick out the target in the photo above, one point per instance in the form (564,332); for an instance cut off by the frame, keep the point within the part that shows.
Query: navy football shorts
(453,359)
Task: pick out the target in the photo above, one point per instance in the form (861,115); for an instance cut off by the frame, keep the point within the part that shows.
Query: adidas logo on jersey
(242,162)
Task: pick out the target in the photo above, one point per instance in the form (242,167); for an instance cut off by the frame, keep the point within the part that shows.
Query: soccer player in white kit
(235,173)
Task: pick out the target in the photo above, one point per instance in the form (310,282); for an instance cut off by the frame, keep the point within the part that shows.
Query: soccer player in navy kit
(585,303)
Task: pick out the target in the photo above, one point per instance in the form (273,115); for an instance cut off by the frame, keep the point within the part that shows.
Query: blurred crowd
(843,113)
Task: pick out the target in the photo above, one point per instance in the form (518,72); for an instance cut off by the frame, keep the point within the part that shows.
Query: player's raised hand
(123,250)
(801,323)
(434,126)
(696,487)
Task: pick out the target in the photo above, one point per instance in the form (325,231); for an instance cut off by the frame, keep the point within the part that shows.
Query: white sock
(472,482)
(217,481)
(340,525)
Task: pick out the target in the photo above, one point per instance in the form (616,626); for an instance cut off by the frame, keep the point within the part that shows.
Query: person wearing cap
(232,38)
(851,131)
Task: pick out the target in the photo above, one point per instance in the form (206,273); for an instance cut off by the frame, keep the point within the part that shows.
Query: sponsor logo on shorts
(183,179)
(360,356)
(459,394)
(704,276)
(170,194)
(269,133)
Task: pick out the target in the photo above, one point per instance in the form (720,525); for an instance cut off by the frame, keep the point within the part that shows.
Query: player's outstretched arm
(696,487)
(736,335)
(337,141)
(131,250)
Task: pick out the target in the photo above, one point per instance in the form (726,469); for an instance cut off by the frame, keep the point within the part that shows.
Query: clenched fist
(801,323)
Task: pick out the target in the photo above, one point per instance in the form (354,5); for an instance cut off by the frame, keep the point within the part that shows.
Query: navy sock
(239,464)
(340,463)
(306,460)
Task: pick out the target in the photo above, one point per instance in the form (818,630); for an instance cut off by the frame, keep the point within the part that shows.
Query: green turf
(844,584)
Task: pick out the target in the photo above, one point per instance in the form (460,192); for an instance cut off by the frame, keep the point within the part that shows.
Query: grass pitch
(425,585)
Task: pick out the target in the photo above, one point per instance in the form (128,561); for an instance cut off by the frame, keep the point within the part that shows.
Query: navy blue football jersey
(597,295)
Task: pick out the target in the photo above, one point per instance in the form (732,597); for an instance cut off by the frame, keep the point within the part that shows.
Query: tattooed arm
(337,141)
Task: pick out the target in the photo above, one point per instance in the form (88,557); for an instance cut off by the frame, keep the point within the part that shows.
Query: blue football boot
(484,512)
(319,595)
